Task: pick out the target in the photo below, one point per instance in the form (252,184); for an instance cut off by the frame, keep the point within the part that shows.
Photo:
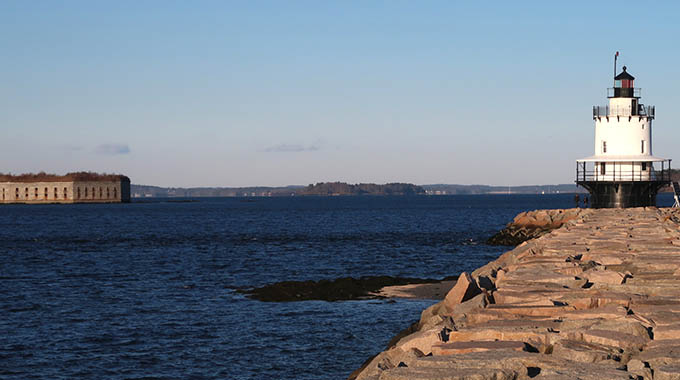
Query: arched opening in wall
(16,193)
(101,195)
(78,193)
(26,192)
(46,194)
(3,194)
(65,193)
(35,193)
(85,192)
(115,193)
(56,195)
(108,193)
(93,194)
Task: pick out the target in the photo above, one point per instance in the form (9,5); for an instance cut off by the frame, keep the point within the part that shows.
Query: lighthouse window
(603,168)
(642,146)
(604,147)
(644,166)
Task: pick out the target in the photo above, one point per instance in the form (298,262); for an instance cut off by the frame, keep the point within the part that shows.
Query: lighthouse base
(605,194)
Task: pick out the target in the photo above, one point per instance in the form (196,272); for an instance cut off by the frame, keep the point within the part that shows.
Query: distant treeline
(342,188)
(332,188)
(139,191)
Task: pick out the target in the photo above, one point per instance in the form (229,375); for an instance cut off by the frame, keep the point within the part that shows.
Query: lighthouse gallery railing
(604,111)
(614,174)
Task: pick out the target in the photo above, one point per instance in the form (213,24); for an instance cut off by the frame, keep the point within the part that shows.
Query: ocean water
(147,290)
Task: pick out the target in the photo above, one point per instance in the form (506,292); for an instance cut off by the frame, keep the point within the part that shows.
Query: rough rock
(465,289)
(597,298)
(532,224)
(405,373)
(422,340)
(580,351)
(465,347)
(667,372)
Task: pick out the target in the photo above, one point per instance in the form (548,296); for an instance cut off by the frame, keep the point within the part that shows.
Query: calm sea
(146,290)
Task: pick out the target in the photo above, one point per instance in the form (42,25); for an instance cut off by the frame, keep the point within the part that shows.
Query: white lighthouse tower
(623,172)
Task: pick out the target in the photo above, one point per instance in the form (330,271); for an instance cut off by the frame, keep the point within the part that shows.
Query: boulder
(635,365)
(612,339)
(502,358)
(475,304)
(455,348)
(533,224)
(665,332)
(465,289)
(391,358)
(667,372)
(405,373)
(431,316)
(422,340)
(599,275)
(580,351)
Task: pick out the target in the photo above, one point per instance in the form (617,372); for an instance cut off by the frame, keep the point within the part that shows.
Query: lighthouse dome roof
(624,75)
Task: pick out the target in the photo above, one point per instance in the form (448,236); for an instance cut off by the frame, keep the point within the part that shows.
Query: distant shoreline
(326,189)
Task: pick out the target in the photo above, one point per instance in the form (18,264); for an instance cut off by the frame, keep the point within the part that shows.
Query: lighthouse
(623,172)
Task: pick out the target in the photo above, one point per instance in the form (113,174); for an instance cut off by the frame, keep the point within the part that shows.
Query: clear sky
(240,93)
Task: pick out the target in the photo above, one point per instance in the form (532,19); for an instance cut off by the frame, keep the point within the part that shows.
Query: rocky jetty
(598,298)
(532,224)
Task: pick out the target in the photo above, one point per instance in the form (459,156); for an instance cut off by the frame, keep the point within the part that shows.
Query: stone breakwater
(533,224)
(598,298)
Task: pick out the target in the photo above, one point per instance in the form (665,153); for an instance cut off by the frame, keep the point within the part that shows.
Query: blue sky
(229,93)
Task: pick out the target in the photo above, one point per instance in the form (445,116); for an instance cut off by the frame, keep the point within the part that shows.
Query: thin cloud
(287,148)
(113,149)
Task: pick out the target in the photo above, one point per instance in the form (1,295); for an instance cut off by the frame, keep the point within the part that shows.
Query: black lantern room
(623,85)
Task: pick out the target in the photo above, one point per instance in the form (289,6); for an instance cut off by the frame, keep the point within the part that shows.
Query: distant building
(69,188)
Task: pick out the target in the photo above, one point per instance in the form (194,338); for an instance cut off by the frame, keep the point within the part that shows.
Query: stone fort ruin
(80,187)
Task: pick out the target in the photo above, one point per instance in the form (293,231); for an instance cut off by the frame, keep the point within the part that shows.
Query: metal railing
(617,172)
(607,111)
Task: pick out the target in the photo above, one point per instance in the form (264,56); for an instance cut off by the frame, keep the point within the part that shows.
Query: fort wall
(111,191)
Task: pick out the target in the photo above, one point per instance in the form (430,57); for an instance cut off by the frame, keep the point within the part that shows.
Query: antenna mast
(616,56)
